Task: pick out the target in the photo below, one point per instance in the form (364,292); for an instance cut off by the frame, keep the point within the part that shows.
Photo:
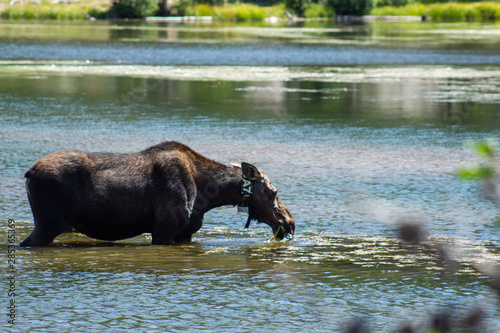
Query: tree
(133,8)
(350,7)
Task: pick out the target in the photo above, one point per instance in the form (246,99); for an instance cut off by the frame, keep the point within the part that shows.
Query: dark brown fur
(164,190)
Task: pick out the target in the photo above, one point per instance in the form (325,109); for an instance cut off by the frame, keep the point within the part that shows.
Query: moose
(164,190)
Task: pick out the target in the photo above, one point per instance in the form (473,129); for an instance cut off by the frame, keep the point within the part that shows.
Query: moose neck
(219,186)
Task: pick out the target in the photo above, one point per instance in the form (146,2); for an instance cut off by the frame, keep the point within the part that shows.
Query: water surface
(312,43)
(356,128)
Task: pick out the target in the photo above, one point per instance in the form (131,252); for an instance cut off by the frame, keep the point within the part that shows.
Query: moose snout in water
(164,190)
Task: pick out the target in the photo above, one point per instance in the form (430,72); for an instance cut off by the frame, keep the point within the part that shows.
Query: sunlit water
(351,150)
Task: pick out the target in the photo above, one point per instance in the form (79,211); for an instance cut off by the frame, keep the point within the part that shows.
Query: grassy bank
(228,12)
(240,12)
(52,11)
(249,12)
(44,11)
(450,12)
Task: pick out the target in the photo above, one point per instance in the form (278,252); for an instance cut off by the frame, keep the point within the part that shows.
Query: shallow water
(351,147)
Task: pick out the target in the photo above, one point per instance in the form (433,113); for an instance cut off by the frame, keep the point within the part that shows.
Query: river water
(358,126)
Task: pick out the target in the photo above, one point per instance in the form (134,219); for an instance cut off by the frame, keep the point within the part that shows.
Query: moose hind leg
(51,214)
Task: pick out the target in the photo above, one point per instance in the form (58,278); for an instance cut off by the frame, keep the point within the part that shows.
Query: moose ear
(250,172)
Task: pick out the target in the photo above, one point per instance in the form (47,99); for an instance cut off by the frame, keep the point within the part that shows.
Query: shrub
(184,8)
(484,11)
(409,10)
(210,2)
(350,7)
(296,6)
(392,3)
(247,12)
(447,12)
(234,12)
(133,8)
(99,13)
(276,10)
(12,12)
(44,11)
(203,10)
(241,12)
(316,10)
(225,12)
(488,11)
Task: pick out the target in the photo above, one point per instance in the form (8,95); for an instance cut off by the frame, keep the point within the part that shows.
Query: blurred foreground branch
(486,170)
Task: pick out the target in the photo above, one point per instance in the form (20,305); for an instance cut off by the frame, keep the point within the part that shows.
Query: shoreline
(179,19)
(273,19)
(270,19)
(449,12)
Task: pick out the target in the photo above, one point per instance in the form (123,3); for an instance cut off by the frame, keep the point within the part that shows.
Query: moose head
(263,203)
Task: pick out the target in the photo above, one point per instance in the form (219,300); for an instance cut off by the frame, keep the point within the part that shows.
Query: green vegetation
(249,12)
(237,12)
(350,7)
(199,10)
(486,170)
(45,11)
(438,10)
(416,9)
(392,3)
(133,8)
(487,150)
(315,10)
(450,11)
(296,6)
(240,12)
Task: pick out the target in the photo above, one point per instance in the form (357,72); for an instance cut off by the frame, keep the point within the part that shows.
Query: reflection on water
(267,54)
(312,43)
(351,149)
(415,35)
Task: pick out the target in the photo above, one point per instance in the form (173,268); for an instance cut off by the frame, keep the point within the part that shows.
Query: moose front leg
(168,226)
(184,238)
(186,234)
